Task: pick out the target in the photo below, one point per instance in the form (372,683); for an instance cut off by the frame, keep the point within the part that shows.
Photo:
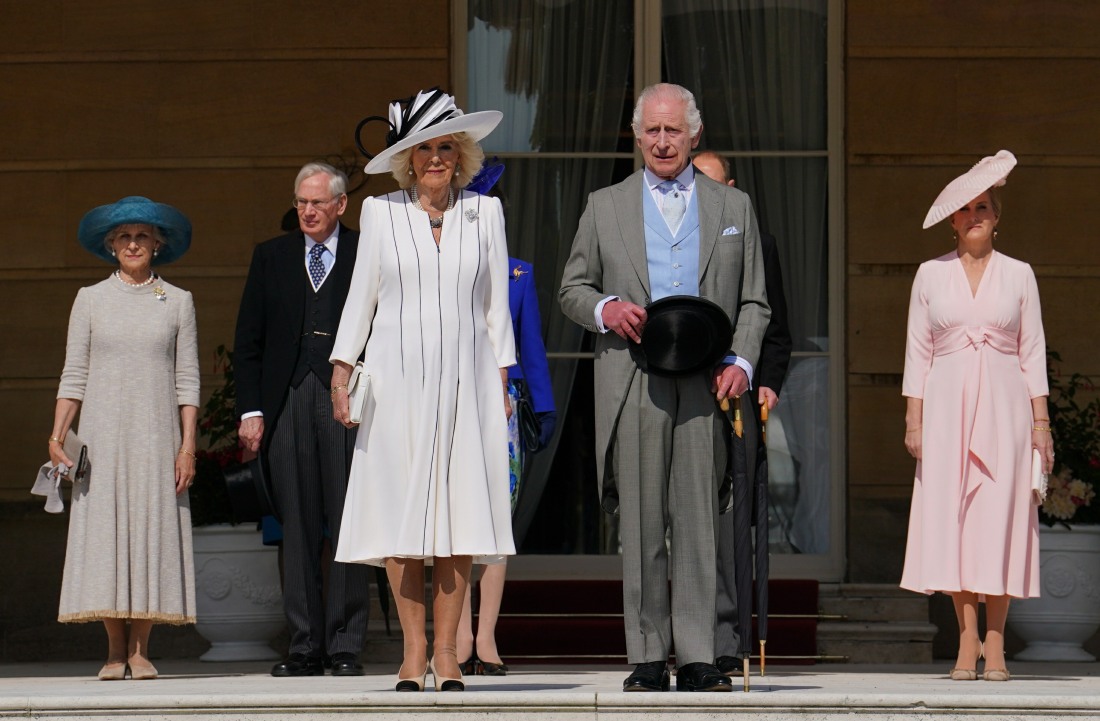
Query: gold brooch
(159,294)
(517,272)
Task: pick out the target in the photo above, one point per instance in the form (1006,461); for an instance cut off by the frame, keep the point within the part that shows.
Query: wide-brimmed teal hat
(173,225)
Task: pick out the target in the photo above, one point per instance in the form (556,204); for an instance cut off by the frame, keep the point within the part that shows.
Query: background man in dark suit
(775,356)
(289,313)
(660,440)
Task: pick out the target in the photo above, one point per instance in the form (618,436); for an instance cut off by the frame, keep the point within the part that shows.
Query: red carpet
(582,622)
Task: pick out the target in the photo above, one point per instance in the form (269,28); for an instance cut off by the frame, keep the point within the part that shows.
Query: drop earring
(156,252)
(994,234)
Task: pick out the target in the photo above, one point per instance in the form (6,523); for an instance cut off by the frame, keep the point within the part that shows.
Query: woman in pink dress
(976,404)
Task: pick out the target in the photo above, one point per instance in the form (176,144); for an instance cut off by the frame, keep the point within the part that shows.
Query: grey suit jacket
(609,258)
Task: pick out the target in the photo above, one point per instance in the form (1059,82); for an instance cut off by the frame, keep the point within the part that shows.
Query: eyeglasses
(302,203)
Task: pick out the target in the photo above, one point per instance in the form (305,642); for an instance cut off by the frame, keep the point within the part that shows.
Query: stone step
(872,602)
(874,623)
(192,691)
(877,642)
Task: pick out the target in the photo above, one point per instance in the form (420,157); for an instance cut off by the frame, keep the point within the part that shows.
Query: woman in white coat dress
(428,309)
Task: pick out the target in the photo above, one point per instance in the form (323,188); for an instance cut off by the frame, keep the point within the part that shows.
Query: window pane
(789,196)
(757,70)
(558,70)
(798,460)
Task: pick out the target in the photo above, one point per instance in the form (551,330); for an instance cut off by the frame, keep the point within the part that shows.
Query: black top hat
(249,492)
(683,334)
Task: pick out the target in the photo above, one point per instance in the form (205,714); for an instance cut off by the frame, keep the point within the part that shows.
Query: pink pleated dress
(977,360)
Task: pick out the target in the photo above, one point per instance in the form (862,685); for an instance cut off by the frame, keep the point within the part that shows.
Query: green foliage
(218,430)
(1074,406)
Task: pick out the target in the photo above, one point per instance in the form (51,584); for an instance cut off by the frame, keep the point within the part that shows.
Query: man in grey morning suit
(289,313)
(660,441)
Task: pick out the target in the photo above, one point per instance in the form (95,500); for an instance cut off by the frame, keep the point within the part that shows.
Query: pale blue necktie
(674,205)
(316,267)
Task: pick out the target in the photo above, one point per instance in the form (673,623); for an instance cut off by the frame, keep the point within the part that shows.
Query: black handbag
(530,428)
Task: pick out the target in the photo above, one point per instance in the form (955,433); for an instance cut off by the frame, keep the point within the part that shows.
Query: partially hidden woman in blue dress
(531,378)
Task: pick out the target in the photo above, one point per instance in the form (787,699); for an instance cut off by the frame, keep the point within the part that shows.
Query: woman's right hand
(913,441)
(341,410)
(57,455)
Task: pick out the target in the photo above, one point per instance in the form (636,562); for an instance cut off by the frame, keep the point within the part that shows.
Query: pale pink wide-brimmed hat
(989,172)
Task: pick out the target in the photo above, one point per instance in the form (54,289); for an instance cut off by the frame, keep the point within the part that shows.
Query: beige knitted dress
(132,360)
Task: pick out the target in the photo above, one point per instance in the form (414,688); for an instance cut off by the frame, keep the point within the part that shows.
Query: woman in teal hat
(131,373)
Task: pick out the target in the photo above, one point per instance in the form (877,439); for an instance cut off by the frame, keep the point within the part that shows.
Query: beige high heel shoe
(442,683)
(968,674)
(416,683)
(995,674)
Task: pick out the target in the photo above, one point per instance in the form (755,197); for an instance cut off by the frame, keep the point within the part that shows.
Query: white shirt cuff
(599,312)
(740,363)
(252,414)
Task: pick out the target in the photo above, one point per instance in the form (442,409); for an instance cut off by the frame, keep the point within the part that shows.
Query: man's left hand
(729,381)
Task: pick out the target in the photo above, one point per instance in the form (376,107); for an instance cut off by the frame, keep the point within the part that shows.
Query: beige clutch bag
(1038,478)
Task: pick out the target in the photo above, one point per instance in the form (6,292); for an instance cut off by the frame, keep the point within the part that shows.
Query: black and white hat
(429,114)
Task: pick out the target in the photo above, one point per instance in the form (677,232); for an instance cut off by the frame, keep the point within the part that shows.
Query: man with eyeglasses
(289,313)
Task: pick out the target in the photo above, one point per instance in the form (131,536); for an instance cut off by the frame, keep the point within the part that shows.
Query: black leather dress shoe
(701,677)
(652,676)
(346,664)
(299,664)
(729,665)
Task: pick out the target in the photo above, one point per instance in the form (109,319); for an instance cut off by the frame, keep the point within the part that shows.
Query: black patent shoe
(346,664)
(702,677)
(469,666)
(652,676)
(729,665)
(299,664)
(485,668)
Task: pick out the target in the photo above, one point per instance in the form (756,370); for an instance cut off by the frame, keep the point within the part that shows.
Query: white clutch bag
(358,391)
(1038,478)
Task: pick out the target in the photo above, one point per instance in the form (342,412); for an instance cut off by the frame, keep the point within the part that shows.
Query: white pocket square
(732,230)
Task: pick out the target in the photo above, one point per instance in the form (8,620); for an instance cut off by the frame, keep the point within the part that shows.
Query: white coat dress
(429,477)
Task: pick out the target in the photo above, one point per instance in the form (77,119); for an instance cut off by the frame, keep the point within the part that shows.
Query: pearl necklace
(148,281)
(434,222)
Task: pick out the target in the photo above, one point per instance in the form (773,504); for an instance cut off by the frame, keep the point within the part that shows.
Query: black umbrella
(760,498)
(742,527)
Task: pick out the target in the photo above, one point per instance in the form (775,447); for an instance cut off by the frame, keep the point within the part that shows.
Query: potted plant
(238,596)
(1067,613)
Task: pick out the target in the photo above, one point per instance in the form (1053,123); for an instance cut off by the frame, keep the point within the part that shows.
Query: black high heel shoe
(469,666)
(485,668)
